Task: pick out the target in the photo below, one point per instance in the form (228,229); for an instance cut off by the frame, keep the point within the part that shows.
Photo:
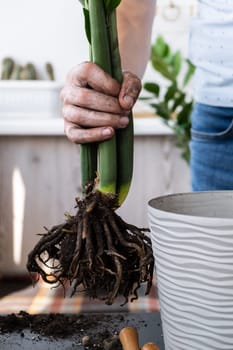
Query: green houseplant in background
(173,103)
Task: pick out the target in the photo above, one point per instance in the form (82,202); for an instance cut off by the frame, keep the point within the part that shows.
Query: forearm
(135,19)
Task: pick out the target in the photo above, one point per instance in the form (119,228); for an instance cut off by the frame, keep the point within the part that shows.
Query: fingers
(83,125)
(89,74)
(95,104)
(81,136)
(91,119)
(91,99)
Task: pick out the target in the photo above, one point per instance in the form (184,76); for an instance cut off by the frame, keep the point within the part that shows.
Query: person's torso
(211,51)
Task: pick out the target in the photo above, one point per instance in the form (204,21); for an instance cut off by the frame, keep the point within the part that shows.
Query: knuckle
(71,133)
(67,113)
(82,72)
(78,75)
(73,114)
(81,136)
(78,135)
(72,74)
(74,96)
(86,66)
(81,96)
(63,94)
(86,137)
(91,135)
(67,130)
(66,94)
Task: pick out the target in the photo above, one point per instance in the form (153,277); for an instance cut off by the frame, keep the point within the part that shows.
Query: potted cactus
(24,95)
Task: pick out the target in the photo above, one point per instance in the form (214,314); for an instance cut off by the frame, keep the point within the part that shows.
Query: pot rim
(157,207)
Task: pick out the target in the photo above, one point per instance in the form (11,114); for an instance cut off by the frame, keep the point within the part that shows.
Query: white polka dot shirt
(211,51)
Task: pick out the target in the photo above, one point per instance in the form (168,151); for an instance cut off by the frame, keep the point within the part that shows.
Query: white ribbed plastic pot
(192,238)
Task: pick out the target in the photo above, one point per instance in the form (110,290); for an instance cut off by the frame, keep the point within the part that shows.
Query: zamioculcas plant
(95,248)
(174,105)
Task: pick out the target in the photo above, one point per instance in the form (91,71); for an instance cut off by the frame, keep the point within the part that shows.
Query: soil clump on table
(93,331)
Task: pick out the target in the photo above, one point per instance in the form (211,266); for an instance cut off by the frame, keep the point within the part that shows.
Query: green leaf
(171,91)
(178,100)
(144,98)
(87,24)
(82,2)
(189,73)
(162,68)
(110,5)
(176,63)
(184,116)
(161,109)
(160,48)
(174,104)
(153,88)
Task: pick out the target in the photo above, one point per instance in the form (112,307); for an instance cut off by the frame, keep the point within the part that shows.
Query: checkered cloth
(45,299)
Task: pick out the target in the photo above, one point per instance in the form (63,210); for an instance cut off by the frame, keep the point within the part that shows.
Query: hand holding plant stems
(95,104)
(175,105)
(95,248)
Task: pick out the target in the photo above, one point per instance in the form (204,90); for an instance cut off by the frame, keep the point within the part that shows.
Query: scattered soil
(90,331)
(62,326)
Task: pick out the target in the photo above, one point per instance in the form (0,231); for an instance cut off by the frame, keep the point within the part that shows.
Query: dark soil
(86,327)
(84,331)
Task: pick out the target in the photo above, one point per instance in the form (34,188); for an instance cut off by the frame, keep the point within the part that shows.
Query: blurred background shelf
(54,126)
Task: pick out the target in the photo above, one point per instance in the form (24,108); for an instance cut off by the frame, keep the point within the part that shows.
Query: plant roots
(97,250)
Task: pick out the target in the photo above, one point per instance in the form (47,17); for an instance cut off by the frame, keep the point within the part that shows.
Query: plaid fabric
(44,299)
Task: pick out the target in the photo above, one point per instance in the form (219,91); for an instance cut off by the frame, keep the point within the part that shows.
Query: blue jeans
(211,148)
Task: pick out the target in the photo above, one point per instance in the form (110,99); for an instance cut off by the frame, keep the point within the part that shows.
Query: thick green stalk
(88,161)
(124,136)
(125,151)
(115,156)
(101,56)
(88,152)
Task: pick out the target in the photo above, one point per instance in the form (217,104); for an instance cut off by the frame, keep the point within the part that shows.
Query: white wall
(173,24)
(53,30)
(44,30)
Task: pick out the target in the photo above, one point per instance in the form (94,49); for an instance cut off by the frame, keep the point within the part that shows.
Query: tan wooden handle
(129,338)
(150,346)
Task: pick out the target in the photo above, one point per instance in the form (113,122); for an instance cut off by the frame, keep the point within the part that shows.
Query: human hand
(95,104)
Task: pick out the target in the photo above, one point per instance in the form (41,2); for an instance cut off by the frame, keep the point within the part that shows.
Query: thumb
(130,89)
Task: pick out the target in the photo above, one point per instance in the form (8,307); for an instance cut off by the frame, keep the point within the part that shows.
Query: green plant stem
(88,161)
(107,164)
(124,136)
(88,152)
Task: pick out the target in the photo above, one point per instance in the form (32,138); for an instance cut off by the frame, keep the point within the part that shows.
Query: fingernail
(107,132)
(129,100)
(124,121)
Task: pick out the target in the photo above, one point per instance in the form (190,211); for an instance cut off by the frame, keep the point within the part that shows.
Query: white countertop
(54,127)
(42,98)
